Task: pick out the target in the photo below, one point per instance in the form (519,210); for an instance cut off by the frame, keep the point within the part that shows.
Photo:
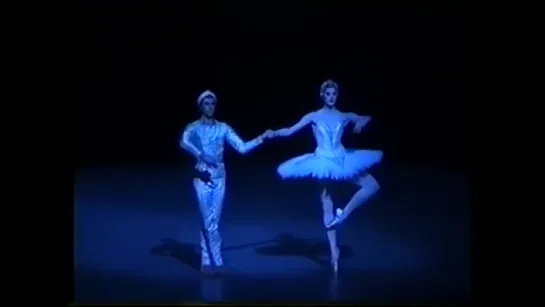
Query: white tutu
(341,166)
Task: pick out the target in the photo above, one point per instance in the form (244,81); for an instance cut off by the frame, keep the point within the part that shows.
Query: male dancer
(204,139)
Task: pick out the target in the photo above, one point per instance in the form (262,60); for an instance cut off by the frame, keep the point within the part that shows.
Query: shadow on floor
(287,244)
(189,254)
(284,244)
(185,253)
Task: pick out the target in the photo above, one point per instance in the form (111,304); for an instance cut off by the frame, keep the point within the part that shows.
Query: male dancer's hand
(211,161)
(203,175)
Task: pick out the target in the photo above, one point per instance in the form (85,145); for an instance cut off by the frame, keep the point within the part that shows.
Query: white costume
(330,160)
(200,137)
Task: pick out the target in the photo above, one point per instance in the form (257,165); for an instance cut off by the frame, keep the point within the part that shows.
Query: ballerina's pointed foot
(336,220)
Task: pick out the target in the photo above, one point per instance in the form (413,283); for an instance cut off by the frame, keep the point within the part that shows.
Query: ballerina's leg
(327,206)
(368,187)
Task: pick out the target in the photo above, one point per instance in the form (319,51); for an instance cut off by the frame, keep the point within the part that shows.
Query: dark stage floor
(136,236)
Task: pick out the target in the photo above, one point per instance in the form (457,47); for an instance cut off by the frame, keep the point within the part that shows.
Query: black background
(138,68)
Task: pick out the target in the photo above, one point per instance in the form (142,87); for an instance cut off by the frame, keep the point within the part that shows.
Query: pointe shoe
(335,261)
(336,220)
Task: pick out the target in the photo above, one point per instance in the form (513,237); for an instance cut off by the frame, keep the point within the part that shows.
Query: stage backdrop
(137,77)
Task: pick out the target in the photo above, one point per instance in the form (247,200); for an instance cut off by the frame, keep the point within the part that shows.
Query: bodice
(328,138)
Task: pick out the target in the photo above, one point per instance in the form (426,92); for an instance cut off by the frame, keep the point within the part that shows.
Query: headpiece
(204,94)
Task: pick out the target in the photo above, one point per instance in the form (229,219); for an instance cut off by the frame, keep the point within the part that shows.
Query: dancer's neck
(208,120)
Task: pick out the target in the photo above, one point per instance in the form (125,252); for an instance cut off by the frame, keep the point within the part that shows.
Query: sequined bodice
(328,138)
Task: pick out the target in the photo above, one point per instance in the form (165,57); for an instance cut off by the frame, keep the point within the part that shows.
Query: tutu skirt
(347,165)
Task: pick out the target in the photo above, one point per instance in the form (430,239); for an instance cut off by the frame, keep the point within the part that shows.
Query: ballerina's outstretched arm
(298,126)
(359,121)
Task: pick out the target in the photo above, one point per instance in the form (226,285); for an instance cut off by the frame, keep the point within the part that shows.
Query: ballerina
(332,162)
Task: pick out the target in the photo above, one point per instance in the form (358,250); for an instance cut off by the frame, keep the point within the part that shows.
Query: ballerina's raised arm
(359,121)
(307,119)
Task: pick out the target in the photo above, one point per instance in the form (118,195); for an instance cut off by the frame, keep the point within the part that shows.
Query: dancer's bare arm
(307,119)
(359,121)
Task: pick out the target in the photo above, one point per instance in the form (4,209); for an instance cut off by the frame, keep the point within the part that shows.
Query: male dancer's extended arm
(238,144)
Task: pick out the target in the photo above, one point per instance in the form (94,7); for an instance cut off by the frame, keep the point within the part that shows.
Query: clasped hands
(269,134)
